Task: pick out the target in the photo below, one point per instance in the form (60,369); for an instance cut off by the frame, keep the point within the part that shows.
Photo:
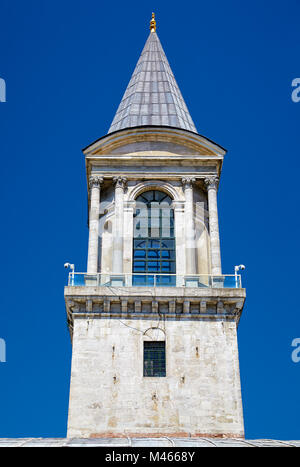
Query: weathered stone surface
(200,394)
(110,319)
(123,441)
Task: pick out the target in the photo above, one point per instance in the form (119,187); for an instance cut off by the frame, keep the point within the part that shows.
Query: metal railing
(82,279)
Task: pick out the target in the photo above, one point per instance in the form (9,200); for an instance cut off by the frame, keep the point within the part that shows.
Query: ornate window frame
(158,185)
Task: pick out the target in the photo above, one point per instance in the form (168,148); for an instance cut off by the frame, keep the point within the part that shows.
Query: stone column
(94,186)
(117,263)
(190,250)
(180,241)
(212,184)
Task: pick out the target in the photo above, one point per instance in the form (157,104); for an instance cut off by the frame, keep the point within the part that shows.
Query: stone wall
(200,396)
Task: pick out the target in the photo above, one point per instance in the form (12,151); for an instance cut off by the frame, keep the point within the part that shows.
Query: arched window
(154,240)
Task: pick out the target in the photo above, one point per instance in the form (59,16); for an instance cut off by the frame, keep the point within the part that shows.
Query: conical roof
(152,96)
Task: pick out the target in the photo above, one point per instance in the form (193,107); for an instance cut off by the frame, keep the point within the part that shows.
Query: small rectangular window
(154,359)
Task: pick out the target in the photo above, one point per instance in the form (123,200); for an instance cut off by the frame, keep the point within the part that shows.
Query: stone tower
(153,320)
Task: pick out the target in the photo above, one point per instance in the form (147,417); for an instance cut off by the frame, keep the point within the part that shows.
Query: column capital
(211,182)
(95,181)
(187,182)
(120,182)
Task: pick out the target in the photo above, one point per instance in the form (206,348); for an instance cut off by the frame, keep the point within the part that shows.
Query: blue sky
(66,65)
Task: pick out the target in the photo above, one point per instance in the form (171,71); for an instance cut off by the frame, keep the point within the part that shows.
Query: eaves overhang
(110,142)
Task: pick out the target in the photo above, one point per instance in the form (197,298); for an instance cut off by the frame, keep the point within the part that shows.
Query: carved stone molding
(137,306)
(124,306)
(95,181)
(187,182)
(211,182)
(186,306)
(172,306)
(221,305)
(120,182)
(160,185)
(203,306)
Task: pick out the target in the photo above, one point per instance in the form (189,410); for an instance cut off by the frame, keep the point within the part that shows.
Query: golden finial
(153,23)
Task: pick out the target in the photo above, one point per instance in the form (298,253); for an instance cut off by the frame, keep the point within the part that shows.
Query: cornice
(148,157)
(186,138)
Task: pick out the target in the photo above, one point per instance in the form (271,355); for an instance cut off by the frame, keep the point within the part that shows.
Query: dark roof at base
(144,442)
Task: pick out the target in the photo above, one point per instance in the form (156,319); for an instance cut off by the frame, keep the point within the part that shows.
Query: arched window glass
(154,240)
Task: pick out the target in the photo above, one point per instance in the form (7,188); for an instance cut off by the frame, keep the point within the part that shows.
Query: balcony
(143,296)
(227,281)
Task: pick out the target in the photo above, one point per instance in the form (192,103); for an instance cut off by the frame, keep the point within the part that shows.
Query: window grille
(154,242)
(154,359)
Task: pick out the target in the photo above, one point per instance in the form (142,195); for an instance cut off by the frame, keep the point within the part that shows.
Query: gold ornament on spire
(153,23)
